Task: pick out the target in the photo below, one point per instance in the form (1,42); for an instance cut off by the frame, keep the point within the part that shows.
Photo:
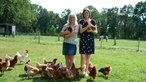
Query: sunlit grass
(128,64)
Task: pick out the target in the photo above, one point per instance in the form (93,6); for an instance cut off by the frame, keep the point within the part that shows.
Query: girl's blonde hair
(72,14)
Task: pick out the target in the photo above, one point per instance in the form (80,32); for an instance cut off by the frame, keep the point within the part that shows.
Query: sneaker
(86,74)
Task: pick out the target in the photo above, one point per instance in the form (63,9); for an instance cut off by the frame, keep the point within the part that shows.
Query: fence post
(101,43)
(39,38)
(58,37)
(138,44)
(114,40)
(35,36)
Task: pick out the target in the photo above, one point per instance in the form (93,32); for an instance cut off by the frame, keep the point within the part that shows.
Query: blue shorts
(69,49)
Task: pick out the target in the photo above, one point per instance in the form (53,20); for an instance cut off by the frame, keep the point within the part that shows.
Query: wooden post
(115,41)
(58,37)
(39,38)
(101,43)
(35,36)
(138,44)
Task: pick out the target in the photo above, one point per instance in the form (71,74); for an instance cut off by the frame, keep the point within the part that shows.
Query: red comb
(26,51)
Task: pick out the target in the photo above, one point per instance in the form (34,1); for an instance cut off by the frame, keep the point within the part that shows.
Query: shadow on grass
(47,79)
(1,75)
(103,76)
(39,78)
(22,75)
(9,69)
(20,64)
(89,80)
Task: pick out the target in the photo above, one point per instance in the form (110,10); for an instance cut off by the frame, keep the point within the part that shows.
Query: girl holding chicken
(86,44)
(69,32)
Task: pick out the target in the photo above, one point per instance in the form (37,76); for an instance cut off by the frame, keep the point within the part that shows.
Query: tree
(126,14)
(17,12)
(102,24)
(112,22)
(64,17)
(140,18)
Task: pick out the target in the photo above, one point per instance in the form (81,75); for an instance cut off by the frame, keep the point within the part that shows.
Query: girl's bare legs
(71,60)
(83,63)
(67,61)
(87,61)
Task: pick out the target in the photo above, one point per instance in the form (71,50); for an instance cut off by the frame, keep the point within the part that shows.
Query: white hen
(22,58)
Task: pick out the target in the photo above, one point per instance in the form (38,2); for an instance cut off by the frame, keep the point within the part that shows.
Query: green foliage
(127,22)
(127,64)
(140,19)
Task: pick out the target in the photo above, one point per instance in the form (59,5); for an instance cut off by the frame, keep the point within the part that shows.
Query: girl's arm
(64,31)
(73,32)
(83,29)
(95,31)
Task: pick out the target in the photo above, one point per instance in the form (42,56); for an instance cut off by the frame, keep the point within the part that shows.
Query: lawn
(128,65)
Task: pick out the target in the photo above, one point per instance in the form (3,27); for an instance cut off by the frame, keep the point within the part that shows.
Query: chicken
(57,75)
(105,70)
(90,28)
(22,57)
(13,60)
(90,66)
(69,29)
(92,72)
(40,66)
(31,70)
(79,72)
(85,24)
(4,65)
(71,72)
(7,60)
(54,74)
(43,71)
(53,62)
(28,62)
(73,69)
(55,67)
(25,68)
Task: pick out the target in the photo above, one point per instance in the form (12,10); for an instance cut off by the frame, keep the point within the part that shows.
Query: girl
(69,32)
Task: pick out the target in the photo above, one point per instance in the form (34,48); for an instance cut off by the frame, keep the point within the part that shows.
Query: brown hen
(31,70)
(53,62)
(105,70)
(13,61)
(4,65)
(92,72)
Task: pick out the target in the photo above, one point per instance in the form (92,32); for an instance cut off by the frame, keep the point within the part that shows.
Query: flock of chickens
(11,61)
(49,69)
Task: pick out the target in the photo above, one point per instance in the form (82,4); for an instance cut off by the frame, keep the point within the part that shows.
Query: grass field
(127,64)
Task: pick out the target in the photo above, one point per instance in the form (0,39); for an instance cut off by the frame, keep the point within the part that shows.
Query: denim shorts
(69,49)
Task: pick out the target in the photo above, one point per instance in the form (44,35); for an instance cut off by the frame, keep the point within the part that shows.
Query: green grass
(127,64)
